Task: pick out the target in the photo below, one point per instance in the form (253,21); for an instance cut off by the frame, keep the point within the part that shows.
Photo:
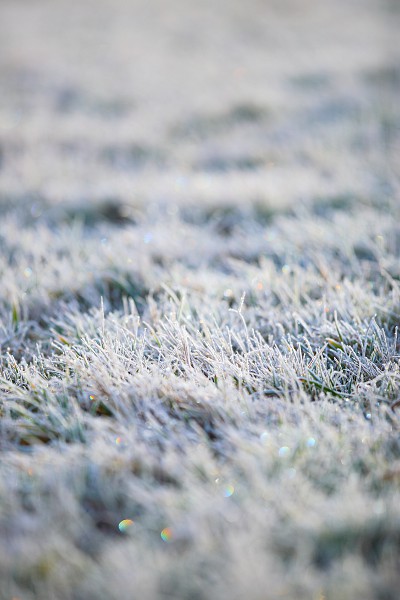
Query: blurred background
(127,105)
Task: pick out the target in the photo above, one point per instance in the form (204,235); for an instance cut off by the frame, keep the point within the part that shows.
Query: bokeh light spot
(166,534)
(124,525)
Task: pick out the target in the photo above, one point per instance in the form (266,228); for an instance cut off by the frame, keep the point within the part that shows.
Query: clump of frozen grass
(240,431)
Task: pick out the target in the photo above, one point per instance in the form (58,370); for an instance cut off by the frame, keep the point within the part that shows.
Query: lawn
(199,300)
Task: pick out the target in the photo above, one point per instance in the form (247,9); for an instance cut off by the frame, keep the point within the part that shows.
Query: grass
(199,302)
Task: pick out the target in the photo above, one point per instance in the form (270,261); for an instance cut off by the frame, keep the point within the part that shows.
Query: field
(200,300)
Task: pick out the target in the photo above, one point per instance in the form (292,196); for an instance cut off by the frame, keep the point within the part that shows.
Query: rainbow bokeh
(124,525)
(166,534)
(229,491)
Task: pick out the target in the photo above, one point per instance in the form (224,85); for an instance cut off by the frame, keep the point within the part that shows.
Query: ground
(199,302)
